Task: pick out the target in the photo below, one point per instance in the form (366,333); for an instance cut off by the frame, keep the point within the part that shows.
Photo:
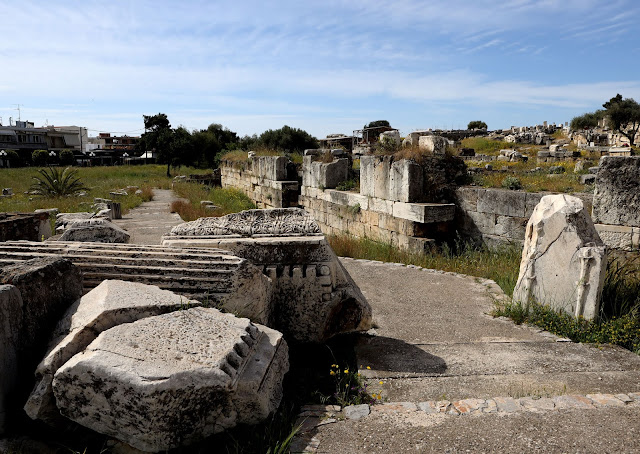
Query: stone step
(124,261)
(205,273)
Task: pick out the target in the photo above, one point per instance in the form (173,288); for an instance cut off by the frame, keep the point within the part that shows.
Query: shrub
(54,183)
(66,157)
(511,182)
(349,185)
(14,158)
(40,157)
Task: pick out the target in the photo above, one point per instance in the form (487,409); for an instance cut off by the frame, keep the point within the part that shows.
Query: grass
(500,265)
(99,180)
(229,200)
(482,145)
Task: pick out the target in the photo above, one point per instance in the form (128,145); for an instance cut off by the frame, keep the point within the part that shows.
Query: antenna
(18,109)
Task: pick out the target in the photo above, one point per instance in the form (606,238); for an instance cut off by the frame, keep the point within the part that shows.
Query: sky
(327,66)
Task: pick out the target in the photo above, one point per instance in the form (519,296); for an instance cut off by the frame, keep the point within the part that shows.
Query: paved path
(435,345)
(148,222)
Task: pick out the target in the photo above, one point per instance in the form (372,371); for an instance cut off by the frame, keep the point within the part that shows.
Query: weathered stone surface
(270,167)
(213,276)
(314,298)
(317,174)
(95,231)
(563,260)
(283,221)
(48,287)
(62,219)
(616,199)
(110,304)
(356,412)
(434,144)
(10,323)
(38,293)
(171,380)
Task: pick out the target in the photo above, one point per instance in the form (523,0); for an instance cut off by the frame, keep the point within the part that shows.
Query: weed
(482,145)
(512,183)
(349,185)
(350,388)
(354,209)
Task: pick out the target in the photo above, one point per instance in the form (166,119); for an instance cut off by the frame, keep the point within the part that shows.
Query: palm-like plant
(54,183)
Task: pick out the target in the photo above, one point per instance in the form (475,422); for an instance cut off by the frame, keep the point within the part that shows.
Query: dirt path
(148,222)
(455,379)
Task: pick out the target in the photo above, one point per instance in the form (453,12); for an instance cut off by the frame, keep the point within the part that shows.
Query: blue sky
(324,66)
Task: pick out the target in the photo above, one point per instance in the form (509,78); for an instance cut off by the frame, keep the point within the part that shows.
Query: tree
(287,139)
(39,157)
(587,121)
(181,147)
(211,142)
(158,136)
(477,124)
(66,157)
(624,115)
(378,123)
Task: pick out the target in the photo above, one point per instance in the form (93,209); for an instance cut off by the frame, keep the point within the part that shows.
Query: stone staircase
(194,273)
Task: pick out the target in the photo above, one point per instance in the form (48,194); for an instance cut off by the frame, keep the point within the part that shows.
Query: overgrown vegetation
(100,181)
(482,145)
(228,200)
(350,388)
(500,265)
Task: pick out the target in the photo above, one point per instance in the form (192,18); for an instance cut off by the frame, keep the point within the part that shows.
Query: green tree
(181,147)
(66,157)
(211,142)
(158,136)
(14,159)
(624,115)
(477,124)
(588,120)
(39,157)
(287,139)
(378,123)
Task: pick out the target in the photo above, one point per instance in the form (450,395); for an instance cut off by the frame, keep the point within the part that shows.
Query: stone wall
(24,226)
(409,226)
(497,216)
(616,201)
(264,179)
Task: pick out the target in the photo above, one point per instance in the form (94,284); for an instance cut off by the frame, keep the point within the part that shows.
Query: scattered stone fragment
(428,407)
(572,401)
(356,412)
(470,406)
(95,231)
(537,404)
(624,398)
(507,404)
(606,400)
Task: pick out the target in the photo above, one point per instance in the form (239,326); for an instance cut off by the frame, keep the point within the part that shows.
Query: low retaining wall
(263,179)
(498,216)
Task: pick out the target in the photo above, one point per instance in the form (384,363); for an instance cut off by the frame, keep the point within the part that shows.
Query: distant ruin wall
(263,179)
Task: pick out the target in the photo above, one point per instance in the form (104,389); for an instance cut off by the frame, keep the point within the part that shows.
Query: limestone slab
(10,323)
(563,260)
(616,199)
(110,304)
(170,380)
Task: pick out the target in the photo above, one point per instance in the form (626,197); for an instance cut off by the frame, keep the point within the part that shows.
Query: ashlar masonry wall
(388,208)
(264,179)
(498,216)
